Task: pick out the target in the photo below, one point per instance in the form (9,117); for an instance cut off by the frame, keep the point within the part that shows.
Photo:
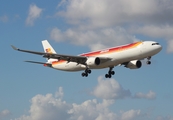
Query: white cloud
(34,13)
(59,93)
(91,21)
(56,34)
(131,115)
(53,107)
(62,3)
(170,46)
(150,95)
(110,89)
(4,114)
(92,110)
(164,118)
(48,107)
(101,13)
(3,18)
(154,31)
(94,39)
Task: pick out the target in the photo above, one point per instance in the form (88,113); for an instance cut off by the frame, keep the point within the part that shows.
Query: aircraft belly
(71,66)
(105,65)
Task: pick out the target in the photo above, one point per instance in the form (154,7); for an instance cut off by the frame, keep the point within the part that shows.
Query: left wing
(68,58)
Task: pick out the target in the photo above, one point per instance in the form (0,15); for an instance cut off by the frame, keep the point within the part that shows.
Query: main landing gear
(86,72)
(148,60)
(110,73)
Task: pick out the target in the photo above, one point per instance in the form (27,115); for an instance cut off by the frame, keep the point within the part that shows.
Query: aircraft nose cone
(160,47)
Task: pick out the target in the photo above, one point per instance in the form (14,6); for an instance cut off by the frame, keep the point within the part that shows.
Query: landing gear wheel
(83,74)
(109,72)
(89,71)
(112,72)
(110,76)
(148,62)
(86,74)
(106,75)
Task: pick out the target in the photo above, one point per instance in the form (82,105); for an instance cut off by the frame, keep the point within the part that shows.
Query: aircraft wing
(69,58)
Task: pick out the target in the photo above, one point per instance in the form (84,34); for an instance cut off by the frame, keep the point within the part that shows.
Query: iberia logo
(48,50)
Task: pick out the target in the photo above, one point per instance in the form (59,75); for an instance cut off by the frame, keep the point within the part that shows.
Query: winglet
(14,47)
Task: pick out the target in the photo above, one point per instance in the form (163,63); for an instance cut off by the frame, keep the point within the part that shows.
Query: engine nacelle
(92,61)
(135,64)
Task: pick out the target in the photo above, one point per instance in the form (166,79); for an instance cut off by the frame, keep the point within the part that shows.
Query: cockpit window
(155,43)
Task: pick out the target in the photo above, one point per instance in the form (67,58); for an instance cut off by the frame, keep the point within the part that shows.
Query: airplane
(129,55)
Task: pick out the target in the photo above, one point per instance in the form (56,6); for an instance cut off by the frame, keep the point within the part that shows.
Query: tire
(106,75)
(86,74)
(148,62)
(112,72)
(83,74)
(89,71)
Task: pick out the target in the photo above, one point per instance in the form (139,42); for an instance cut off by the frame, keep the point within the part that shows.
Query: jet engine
(135,64)
(92,61)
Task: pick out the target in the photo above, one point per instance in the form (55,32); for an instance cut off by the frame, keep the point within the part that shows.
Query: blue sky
(34,92)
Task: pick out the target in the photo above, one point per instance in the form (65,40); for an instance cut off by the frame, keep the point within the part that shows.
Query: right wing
(68,58)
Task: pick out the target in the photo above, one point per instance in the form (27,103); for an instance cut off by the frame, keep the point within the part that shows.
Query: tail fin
(48,49)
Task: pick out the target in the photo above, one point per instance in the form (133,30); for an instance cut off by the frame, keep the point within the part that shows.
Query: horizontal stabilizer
(45,64)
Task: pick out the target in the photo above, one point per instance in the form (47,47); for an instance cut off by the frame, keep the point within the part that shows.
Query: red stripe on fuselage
(105,51)
(114,49)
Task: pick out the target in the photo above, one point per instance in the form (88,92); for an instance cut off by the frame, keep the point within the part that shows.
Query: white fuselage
(119,55)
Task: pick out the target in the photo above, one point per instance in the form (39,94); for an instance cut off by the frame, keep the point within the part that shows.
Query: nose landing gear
(148,60)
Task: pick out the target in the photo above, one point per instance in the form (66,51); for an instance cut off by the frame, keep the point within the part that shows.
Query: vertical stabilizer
(48,49)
